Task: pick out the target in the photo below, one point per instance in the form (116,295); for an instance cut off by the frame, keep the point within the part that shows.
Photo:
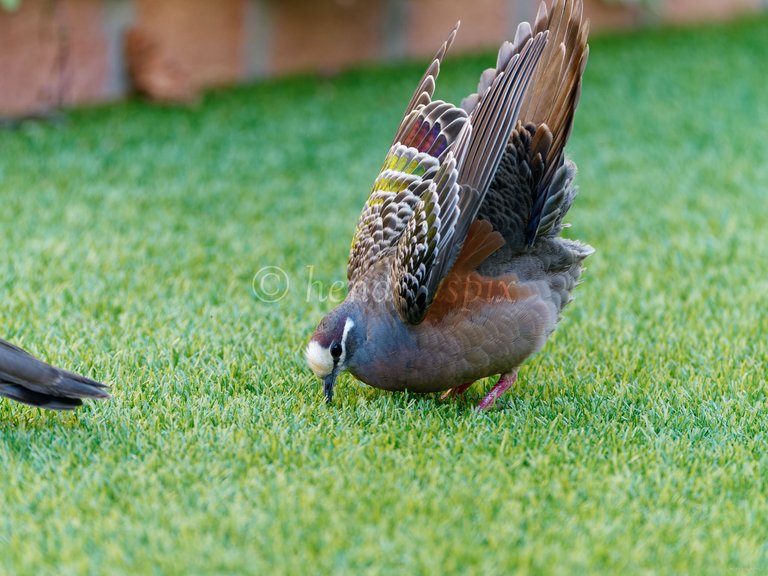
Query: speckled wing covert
(427,131)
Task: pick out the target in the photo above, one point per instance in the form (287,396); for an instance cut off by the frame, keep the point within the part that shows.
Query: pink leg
(454,392)
(505,383)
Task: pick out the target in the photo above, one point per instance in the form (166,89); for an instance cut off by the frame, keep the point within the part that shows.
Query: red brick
(682,11)
(325,35)
(604,16)
(484,24)
(204,37)
(30,48)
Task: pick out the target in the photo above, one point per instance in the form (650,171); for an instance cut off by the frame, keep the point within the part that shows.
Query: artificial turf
(635,443)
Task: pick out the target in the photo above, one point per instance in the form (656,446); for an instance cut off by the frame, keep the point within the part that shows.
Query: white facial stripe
(319,359)
(347,327)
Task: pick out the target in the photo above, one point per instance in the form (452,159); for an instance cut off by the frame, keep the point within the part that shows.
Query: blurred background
(63,52)
(133,237)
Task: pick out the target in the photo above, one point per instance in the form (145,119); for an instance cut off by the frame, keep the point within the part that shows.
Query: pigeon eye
(336,350)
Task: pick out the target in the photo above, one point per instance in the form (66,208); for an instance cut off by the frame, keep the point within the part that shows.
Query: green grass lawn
(636,442)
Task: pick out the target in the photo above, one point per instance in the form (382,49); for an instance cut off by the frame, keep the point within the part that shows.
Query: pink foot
(457,391)
(505,383)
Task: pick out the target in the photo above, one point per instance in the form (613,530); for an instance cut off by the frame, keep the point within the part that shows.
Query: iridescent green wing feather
(427,131)
(388,208)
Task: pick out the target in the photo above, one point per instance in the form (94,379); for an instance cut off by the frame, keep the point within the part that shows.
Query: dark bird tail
(26,379)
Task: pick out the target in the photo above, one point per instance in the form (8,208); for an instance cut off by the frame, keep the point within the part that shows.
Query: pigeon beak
(328,383)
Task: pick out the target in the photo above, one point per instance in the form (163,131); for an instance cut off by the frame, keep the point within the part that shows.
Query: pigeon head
(332,346)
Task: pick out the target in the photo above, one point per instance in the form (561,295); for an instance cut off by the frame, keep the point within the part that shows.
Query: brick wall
(56,52)
(51,53)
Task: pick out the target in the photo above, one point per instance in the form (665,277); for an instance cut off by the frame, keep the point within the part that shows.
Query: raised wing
(450,196)
(533,188)
(428,129)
